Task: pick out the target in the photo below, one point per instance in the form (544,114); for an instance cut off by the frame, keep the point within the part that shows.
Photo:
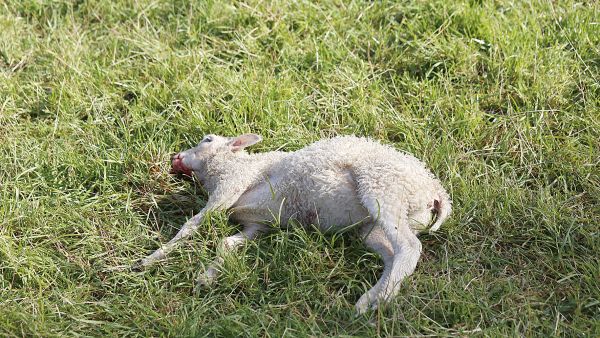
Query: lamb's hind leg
(407,250)
(374,238)
(392,217)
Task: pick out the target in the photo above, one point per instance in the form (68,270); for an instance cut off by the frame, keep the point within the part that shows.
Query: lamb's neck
(239,169)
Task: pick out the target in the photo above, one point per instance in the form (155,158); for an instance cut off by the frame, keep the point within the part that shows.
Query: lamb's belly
(328,215)
(331,209)
(336,214)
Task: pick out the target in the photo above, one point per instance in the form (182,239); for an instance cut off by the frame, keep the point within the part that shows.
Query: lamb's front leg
(186,230)
(228,246)
(221,199)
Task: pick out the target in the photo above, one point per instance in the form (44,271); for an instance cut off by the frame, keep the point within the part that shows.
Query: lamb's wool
(333,184)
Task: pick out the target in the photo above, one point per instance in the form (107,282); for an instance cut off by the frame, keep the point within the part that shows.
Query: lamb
(332,184)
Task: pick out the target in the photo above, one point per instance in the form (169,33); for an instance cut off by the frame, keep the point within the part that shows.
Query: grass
(500,98)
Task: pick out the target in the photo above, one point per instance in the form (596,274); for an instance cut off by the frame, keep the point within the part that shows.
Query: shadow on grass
(168,210)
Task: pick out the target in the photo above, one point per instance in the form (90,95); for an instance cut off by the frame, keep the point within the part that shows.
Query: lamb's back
(348,151)
(320,168)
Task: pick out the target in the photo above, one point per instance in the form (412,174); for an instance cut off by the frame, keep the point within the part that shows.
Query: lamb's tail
(442,208)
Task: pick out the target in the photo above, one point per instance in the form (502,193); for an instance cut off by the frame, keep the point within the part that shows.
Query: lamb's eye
(207,139)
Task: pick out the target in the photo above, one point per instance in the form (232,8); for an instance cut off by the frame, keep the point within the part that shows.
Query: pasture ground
(500,98)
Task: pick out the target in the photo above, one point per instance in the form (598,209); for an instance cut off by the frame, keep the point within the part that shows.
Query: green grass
(500,98)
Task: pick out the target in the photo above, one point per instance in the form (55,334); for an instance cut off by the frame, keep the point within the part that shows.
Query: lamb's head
(194,159)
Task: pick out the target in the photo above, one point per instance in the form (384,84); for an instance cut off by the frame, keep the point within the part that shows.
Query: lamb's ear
(243,141)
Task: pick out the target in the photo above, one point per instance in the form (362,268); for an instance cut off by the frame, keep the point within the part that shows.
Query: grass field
(500,98)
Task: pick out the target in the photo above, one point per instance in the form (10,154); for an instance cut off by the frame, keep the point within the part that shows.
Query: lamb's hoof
(365,304)
(202,284)
(137,266)
(206,279)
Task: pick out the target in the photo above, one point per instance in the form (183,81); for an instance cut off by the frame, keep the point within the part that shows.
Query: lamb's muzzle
(177,166)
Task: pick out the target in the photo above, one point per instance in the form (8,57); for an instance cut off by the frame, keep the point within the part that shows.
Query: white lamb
(332,184)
